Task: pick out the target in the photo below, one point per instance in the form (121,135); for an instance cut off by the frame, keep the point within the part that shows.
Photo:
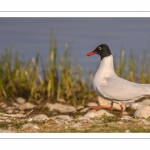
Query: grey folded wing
(122,90)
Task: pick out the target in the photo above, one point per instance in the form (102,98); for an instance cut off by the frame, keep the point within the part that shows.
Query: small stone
(30,120)
(10,111)
(19,116)
(26,106)
(91,114)
(91,104)
(3,118)
(51,122)
(126,118)
(84,119)
(127,131)
(60,100)
(10,108)
(85,110)
(29,127)
(40,118)
(61,108)
(62,117)
(76,125)
(120,122)
(136,105)
(16,105)
(5,131)
(50,107)
(107,103)
(21,112)
(79,108)
(16,111)
(146,102)
(67,109)
(8,120)
(20,100)
(125,113)
(102,112)
(3,105)
(144,122)
(23,120)
(143,112)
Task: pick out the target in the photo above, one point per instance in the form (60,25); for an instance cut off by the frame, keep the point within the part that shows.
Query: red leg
(121,111)
(98,107)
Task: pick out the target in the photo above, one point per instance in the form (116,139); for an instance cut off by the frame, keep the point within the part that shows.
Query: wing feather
(120,89)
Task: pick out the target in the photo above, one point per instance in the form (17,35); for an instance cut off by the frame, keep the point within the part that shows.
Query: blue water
(29,35)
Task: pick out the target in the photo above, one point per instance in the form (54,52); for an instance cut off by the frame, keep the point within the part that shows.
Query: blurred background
(31,35)
(45,58)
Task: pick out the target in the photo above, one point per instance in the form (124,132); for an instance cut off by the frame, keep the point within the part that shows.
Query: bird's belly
(96,86)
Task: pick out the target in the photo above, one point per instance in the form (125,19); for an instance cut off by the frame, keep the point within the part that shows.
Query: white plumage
(109,86)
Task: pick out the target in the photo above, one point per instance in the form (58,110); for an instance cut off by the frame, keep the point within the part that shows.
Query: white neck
(106,66)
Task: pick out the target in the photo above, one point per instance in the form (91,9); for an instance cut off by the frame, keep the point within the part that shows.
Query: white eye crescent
(99,48)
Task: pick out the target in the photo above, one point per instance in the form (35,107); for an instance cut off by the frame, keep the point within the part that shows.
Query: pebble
(143,112)
(10,108)
(19,115)
(61,108)
(91,114)
(20,100)
(85,110)
(21,112)
(76,125)
(67,109)
(60,100)
(10,111)
(79,107)
(5,131)
(127,131)
(146,102)
(26,106)
(50,107)
(102,112)
(3,118)
(125,113)
(107,103)
(16,111)
(41,118)
(52,122)
(3,105)
(136,105)
(8,120)
(30,120)
(84,119)
(91,104)
(126,118)
(29,127)
(62,117)
(144,122)
(16,105)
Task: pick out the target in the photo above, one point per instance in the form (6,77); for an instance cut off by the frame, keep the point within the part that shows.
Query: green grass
(59,76)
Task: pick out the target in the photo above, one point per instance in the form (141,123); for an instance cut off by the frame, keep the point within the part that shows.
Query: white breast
(105,70)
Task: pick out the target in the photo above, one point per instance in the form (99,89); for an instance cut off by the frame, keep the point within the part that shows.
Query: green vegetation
(136,68)
(59,76)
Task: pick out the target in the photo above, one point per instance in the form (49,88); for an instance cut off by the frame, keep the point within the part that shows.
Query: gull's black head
(102,50)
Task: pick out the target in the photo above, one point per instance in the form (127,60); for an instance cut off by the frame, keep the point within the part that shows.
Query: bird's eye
(99,48)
